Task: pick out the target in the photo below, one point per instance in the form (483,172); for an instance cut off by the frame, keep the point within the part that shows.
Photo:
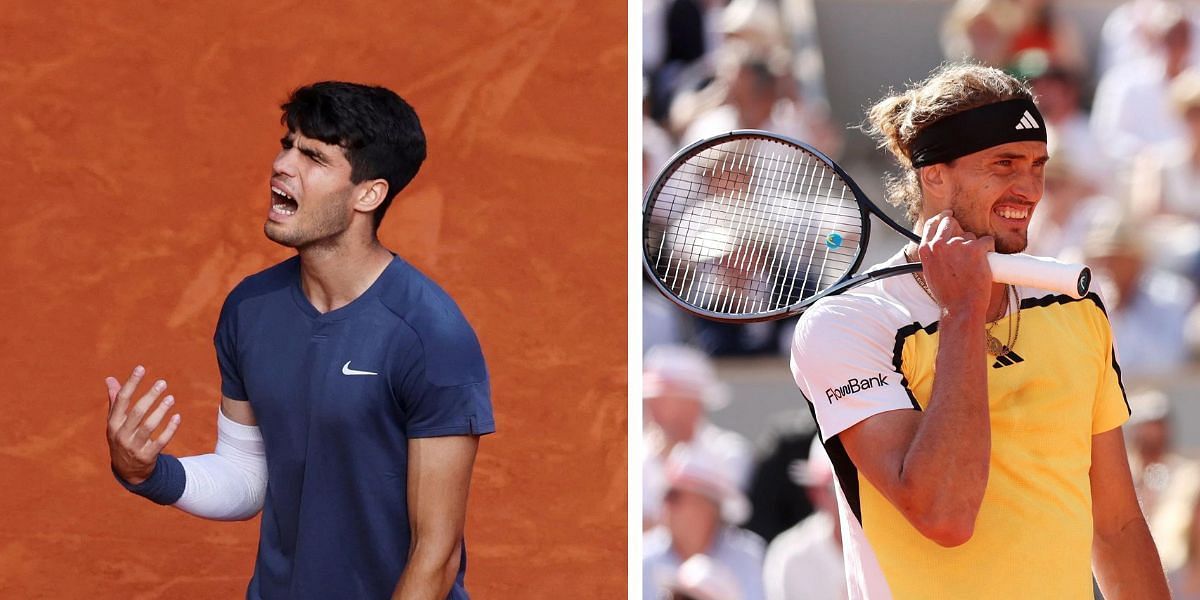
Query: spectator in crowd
(1158,471)
(805,562)
(751,339)
(808,62)
(661,320)
(702,578)
(657,144)
(1147,307)
(779,501)
(678,385)
(753,89)
(1041,29)
(1185,579)
(1068,130)
(752,77)
(1165,480)
(980,30)
(756,22)
(1128,35)
(996,32)
(702,506)
(675,35)
(1165,185)
(1168,181)
(1132,109)
(1069,210)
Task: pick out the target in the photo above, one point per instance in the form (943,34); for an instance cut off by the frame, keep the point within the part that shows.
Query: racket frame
(851,279)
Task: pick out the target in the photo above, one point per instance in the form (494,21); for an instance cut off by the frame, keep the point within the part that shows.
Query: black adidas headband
(977,129)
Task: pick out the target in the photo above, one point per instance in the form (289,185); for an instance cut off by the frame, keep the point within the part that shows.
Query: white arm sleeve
(230,484)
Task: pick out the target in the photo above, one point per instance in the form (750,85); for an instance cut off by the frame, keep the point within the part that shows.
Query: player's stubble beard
(321,222)
(1006,242)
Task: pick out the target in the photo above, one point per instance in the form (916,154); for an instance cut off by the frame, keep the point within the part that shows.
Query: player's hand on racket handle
(955,266)
(131,424)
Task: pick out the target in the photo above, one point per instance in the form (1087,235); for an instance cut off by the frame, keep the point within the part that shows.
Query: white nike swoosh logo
(346,370)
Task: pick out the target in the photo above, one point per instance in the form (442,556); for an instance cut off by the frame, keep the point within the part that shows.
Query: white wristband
(230,484)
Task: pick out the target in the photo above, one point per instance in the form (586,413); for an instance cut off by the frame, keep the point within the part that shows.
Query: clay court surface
(137,143)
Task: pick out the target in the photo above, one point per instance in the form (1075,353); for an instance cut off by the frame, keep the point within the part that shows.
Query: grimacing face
(994,191)
(311,193)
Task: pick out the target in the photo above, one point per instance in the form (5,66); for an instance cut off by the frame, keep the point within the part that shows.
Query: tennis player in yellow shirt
(974,427)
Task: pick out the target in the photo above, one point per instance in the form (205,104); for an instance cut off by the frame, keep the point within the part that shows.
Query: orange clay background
(135,147)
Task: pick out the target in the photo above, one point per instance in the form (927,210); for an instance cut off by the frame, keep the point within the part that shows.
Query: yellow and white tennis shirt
(872,350)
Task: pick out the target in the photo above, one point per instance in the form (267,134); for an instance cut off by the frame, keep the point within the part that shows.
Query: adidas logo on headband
(1027,122)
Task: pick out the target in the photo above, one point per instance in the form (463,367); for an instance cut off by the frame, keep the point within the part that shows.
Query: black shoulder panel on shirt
(451,350)
(897,354)
(1063,299)
(847,474)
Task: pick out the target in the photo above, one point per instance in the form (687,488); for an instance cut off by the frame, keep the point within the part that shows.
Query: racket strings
(750,226)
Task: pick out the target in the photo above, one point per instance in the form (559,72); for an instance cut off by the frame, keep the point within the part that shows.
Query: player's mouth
(283,203)
(1013,214)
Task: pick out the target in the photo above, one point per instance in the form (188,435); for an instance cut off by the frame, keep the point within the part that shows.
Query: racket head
(751,226)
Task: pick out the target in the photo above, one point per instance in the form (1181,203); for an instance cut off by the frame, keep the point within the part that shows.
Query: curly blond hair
(895,121)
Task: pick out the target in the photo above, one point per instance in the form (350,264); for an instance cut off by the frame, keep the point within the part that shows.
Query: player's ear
(935,180)
(371,194)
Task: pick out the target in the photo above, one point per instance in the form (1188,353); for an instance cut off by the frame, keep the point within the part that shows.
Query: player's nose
(285,163)
(1028,186)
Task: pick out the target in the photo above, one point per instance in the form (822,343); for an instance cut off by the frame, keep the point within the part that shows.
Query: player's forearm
(227,485)
(945,471)
(430,572)
(1127,564)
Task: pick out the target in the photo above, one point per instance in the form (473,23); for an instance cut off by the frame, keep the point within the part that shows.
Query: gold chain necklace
(993,345)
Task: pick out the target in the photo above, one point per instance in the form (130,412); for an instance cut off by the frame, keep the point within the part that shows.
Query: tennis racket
(752,226)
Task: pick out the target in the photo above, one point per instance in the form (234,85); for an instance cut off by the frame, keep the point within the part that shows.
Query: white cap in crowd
(705,579)
(682,369)
(692,469)
(816,471)
(1148,405)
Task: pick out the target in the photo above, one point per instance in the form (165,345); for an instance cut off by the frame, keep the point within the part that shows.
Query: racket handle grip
(1071,279)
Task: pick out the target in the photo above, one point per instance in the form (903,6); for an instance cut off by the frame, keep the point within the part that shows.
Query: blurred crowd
(710,502)
(726,518)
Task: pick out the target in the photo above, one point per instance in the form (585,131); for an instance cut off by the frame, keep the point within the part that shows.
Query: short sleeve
(843,359)
(1111,408)
(225,340)
(440,380)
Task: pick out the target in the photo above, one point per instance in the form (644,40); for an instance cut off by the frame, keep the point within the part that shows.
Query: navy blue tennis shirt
(337,397)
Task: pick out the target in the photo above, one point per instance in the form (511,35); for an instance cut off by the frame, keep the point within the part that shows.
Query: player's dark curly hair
(378,131)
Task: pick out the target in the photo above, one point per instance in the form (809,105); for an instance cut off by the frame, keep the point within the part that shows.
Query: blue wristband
(165,484)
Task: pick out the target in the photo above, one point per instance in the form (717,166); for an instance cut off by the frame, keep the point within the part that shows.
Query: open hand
(130,446)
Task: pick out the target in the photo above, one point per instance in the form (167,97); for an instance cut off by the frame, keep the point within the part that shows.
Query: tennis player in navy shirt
(353,389)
